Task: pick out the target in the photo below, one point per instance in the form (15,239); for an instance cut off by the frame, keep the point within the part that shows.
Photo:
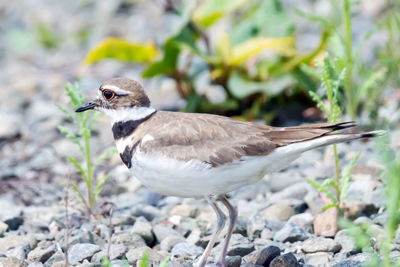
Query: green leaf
(345,180)
(102,180)
(211,11)
(121,49)
(266,18)
(165,262)
(240,87)
(78,167)
(105,262)
(144,261)
(68,133)
(318,101)
(223,47)
(184,39)
(167,64)
(254,46)
(75,188)
(103,156)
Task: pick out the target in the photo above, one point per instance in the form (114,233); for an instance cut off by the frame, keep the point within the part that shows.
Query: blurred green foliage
(253,60)
(366,235)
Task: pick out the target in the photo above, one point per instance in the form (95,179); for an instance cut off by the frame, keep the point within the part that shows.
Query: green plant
(236,62)
(80,136)
(362,84)
(364,233)
(331,80)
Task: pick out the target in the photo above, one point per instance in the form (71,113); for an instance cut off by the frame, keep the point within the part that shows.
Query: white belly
(197,179)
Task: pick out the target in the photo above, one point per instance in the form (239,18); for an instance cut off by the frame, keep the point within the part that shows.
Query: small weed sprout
(331,80)
(83,123)
(143,262)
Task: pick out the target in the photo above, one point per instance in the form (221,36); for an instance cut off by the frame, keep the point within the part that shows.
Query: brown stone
(325,224)
(281,211)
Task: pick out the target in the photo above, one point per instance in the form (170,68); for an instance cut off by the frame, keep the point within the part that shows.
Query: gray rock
(42,252)
(345,241)
(59,256)
(397,236)
(293,191)
(117,251)
(380,218)
(78,236)
(303,220)
(14,223)
(185,249)
(79,252)
(3,228)
(281,180)
(320,244)
(265,256)
(238,245)
(362,220)
(285,260)
(12,262)
(172,263)
(170,241)
(314,202)
(318,259)
(19,252)
(35,264)
(240,226)
(162,231)
(290,233)
(135,254)
(233,261)
(12,240)
(143,228)
(255,225)
(147,211)
(184,210)
(128,239)
(10,124)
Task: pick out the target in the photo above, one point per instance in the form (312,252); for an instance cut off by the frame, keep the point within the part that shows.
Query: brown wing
(220,140)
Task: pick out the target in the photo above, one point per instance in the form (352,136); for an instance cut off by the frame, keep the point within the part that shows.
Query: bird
(194,155)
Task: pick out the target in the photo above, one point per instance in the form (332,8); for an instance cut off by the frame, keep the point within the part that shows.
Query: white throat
(126,114)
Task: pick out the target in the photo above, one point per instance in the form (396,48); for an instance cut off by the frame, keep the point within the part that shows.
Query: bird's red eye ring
(108,94)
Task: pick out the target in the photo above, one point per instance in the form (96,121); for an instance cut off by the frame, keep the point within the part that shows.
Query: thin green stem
(348,82)
(337,174)
(88,162)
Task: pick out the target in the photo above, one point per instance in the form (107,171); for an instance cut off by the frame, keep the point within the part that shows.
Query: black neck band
(124,128)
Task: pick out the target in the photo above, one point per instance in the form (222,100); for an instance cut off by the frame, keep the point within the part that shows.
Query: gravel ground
(280,219)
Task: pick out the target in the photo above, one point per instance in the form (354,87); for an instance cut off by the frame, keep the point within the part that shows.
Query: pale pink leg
(221,218)
(232,220)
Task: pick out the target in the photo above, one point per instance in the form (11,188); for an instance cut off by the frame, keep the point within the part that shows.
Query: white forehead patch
(114,88)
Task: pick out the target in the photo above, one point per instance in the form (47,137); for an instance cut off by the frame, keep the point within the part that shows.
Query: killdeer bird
(202,155)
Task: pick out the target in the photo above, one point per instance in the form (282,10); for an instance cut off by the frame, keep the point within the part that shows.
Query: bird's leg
(232,220)
(220,225)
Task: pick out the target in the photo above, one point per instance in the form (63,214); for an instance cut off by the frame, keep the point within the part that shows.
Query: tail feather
(330,139)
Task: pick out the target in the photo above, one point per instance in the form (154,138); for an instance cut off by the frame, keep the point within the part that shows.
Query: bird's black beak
(87,106)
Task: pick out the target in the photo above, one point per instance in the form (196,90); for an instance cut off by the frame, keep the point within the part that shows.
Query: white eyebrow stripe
(114,88)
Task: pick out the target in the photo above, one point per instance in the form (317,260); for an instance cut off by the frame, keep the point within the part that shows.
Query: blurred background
(273,62)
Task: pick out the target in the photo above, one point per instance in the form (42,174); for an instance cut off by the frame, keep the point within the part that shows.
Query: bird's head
(121,99)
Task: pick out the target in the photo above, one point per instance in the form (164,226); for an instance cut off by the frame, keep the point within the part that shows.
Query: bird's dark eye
(108,94)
